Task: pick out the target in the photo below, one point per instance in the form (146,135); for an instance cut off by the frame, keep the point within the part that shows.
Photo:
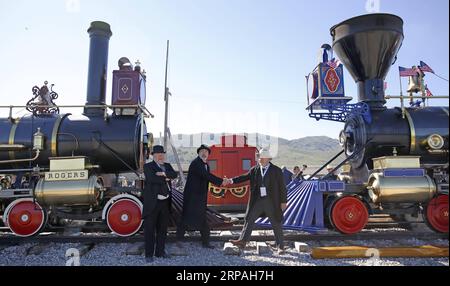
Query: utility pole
(177,159)
(166,99)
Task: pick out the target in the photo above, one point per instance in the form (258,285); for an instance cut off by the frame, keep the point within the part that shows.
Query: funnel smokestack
(367,45)
(100,34)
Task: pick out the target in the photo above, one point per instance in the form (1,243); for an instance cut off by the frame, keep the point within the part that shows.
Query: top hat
(158,149)
(203,147)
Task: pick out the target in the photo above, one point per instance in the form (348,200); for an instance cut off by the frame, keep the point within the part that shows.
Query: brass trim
(12,135)
(413,131)
(54,141)
(15,147)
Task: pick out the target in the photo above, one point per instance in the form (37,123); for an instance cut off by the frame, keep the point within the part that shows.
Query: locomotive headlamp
(435,141)
(38,140)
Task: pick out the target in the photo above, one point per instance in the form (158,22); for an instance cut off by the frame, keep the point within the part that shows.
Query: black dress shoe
(238,242)
(207,245)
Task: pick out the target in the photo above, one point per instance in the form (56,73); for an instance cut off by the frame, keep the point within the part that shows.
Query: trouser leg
(249,222)
(205,232)
(276,224)
(181,230)
(278,231)
(161,227)
(149,234)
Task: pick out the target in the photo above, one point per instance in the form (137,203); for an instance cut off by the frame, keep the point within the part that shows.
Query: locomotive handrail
(406,96)
(341,164)
(323,166)
(22,160)
(144,109)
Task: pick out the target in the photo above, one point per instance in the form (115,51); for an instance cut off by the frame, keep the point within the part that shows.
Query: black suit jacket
(274,183)
(154,183)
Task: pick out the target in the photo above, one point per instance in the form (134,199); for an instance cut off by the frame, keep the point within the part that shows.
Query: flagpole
(402,105)
(422,88)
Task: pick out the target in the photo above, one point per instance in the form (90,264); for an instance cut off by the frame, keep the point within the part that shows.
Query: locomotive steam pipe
(99,33)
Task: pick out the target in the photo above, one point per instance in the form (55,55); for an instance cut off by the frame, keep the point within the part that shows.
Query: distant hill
(312,150)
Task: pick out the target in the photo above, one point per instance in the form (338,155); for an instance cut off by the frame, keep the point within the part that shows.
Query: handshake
(226,182)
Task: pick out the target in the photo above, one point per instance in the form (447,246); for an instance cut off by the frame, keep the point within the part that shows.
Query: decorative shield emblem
(332,80)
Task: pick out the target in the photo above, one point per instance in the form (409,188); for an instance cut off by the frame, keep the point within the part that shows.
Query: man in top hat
(157,203)
(268,198)
(195,197)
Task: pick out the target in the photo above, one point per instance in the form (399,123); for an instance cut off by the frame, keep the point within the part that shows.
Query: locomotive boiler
(55,165)
(398,157)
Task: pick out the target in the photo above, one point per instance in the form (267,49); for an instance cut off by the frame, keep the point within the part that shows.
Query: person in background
(295,172)
(331,175)
(298,173)
(287,175)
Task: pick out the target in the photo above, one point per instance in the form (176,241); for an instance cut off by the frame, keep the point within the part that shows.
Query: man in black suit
(268,198)
(195,197)
(157,203)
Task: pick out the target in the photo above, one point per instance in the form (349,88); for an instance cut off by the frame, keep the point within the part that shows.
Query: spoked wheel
(348,215)
(25,217)
(328,202)
(124,216)
(436,214)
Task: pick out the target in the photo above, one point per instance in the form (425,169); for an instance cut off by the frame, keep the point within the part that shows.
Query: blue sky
(235,66)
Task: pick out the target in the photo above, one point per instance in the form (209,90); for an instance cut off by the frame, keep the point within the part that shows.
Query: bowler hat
(203,146)
(158,149)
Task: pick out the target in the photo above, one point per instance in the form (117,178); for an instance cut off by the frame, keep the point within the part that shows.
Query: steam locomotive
(396,158)
(65,166)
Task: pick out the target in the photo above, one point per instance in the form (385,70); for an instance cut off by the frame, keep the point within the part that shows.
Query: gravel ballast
(115,254)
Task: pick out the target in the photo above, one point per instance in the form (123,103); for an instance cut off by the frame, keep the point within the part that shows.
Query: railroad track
(8,239)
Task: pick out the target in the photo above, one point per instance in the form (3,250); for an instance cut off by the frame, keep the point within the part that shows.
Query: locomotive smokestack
(99,33)
(367,45)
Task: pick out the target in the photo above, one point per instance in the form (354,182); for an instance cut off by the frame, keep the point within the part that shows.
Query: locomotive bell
(414,84)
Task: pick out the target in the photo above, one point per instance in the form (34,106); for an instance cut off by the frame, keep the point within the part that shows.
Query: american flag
(407,71)
(428,92)
(333,63)
(425,68)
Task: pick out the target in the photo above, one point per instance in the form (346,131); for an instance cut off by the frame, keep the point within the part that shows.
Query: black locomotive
(396,158)
(55,166)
